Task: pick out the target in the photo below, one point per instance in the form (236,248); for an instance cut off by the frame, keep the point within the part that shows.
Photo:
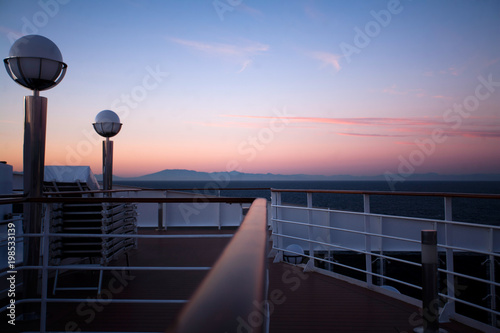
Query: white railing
(391,245)
(375,245)
(195,211)
(206,215)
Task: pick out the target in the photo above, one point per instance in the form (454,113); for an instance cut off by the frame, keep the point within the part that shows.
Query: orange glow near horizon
(257,94)
(293,150)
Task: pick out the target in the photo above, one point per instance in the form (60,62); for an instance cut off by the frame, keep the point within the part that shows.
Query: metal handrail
(207,199)
(239,275)
(141,200)
(400,193)
(400,217)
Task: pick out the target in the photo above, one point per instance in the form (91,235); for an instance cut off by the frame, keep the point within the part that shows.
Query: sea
(472,210)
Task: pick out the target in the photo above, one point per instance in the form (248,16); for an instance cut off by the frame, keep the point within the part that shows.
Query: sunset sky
(314,87)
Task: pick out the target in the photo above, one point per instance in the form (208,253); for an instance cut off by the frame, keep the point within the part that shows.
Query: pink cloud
(492,62)
(475,127)
(442,97)
(454,71)
(474,134)
(373,135)
(366,121)
(327,59)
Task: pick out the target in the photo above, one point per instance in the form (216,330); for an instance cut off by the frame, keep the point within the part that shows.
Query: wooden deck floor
(300,302)
(313,302)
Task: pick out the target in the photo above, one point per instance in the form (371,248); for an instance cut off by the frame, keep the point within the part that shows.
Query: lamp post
(36,63)
(107,124)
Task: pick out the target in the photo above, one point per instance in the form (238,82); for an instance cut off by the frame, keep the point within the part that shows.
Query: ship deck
(299,302)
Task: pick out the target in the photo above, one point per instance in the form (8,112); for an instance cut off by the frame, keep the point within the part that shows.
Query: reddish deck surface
(300,302)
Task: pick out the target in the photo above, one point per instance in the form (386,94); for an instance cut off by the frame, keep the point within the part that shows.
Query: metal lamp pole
(36,63)
(35,125)
(107,124)
(107,164)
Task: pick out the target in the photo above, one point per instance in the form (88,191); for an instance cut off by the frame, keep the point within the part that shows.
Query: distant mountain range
(187,175)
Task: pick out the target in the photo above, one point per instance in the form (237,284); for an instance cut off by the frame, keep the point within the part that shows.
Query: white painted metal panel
(230,214)
(347,239)
(187,214)
(322,235)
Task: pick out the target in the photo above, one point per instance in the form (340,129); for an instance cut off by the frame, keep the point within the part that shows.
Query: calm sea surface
(485,211)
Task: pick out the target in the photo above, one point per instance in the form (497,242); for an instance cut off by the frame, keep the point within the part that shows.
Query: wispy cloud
(373,135)
(327,59)
(364,121)
(395,90)
(245,65)
(474,127)
(243,53)
(452,70)
(492,62)
(442,97)
(8,31)
(474,133)
(249,49)
(2,121)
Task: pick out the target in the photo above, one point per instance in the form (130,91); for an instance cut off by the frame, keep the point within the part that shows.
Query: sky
(287,87)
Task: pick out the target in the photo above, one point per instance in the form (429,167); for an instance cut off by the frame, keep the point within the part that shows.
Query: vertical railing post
(45,265)
(219,207)
(368,242)
(491,266)
(279,227)
(309,221)
(160,217)
(448,211)
(273,210)
(161,227)
(450,279)
(219,215)
(430,298)
(276,226)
